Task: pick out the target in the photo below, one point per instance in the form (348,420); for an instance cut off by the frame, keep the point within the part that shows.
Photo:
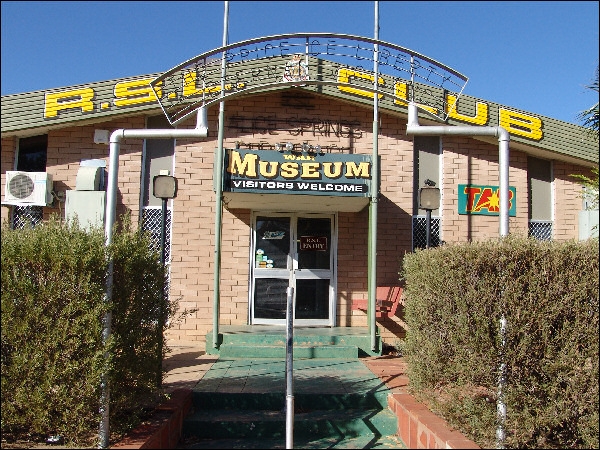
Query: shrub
(53,303)
(548,292)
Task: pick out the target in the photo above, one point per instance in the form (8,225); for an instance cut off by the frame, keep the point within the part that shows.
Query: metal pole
(428,227)
(289,370)
(161,313)
(163,231)
(219,191)
(104,428)
(500,405)
(372,248)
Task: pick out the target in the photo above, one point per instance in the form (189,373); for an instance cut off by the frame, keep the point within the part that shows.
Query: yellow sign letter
(134,92)
(60,101)
(481,111)
(521,124)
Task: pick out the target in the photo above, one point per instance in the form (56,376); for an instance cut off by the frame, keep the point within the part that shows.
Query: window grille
(419,230)
(540,229)
(152,222)
(27,216)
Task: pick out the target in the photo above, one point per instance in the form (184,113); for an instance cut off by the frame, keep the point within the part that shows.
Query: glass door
(297,251)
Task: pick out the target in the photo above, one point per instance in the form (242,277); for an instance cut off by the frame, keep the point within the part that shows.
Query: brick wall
(567,200)
(464,161)
(469,161)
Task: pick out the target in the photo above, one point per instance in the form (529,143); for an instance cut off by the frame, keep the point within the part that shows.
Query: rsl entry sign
(273,172)
(313,243)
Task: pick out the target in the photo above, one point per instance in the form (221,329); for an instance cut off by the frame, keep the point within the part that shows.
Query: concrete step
(312,424)
(240,350)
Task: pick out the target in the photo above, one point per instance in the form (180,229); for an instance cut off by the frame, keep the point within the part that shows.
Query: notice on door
(315,243)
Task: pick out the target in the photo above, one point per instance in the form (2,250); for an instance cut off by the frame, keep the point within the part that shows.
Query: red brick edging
(420,428)
(164,429)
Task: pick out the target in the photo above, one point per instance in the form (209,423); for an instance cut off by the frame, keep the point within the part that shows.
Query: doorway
(298,251)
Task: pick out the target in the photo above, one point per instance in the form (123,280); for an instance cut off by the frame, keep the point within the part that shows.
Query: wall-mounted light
(279,147)
(164,186)
(319,150)
(289,146)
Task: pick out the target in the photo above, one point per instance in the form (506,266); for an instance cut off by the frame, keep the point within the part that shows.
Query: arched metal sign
(315,61)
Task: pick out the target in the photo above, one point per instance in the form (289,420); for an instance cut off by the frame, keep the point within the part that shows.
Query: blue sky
(534,56)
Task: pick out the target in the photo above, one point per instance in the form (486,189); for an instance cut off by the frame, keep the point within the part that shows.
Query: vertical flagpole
(372,263)
(219,189)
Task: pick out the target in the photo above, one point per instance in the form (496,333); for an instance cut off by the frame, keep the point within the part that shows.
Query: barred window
(419,230)
(541,201)
(31,157)
(540,229)
(152,223)
(26,216)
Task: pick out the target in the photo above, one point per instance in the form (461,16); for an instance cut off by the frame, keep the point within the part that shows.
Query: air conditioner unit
(28,188)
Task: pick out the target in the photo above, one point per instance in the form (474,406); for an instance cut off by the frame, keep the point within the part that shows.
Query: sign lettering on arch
(341,62)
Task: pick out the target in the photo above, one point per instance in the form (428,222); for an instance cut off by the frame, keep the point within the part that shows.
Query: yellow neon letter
(344,76)
(134,92)
(481,111)
(521,124)
(246,167)
(59,101)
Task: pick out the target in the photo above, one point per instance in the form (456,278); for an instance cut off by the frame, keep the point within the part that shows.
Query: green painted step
(236,350)
(314,424)
(381,442)
(276,401)
(303,338)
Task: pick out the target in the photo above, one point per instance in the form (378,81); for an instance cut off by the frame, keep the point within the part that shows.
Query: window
(158,155)
(426,167)
(32,154)
(539,184)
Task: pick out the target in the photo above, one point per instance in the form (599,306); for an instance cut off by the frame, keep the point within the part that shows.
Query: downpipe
(413,128)
(200,132)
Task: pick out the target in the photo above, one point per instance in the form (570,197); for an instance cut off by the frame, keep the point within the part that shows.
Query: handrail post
(289,370)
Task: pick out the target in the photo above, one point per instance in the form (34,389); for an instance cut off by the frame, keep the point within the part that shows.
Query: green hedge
(548,292)
(53,303)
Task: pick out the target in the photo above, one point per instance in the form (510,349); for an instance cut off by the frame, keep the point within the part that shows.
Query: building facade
(297,170)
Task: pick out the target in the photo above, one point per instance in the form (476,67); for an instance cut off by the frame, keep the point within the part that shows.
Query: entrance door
(298,251)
